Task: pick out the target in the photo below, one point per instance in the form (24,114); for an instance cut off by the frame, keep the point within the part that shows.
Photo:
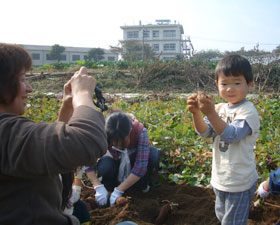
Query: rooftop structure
(166,38)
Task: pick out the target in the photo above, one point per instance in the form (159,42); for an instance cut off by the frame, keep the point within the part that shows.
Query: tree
(133,50)
(255,52)
(96,54)
(276,51)
(56,52)
(207,55)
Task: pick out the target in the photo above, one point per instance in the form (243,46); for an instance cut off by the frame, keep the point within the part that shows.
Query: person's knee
(81,211)
(154,156)
(105,166)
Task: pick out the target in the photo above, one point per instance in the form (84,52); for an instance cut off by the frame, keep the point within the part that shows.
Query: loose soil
(189,206)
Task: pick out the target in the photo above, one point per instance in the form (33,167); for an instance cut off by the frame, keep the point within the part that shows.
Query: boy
(235,127)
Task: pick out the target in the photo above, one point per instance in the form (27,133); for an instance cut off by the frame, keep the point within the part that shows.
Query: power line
(234,42)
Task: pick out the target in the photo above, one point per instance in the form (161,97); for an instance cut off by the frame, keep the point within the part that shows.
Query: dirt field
(189,206)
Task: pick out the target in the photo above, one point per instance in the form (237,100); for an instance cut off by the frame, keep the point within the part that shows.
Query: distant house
(40,54)
(164,37)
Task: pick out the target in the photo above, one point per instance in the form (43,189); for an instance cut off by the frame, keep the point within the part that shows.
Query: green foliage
(61,66)
(43,108)
(87,63)
(207,55)
(183,152)
(276,51)
(45,67)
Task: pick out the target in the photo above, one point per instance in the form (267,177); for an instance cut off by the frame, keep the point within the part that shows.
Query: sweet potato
(163,214)
(121,200)
(91,202)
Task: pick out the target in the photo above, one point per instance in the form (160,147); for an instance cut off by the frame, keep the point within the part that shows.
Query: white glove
(115,195)
(79,172)
(261,192)
(101,195)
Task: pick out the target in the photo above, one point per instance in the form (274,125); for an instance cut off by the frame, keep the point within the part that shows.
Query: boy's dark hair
(234,65)
(117,126)
(13,60)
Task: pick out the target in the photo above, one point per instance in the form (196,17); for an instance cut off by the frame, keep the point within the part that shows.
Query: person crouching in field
(271,186)
(235,126)
(71,202)
(128,162)
(32,155)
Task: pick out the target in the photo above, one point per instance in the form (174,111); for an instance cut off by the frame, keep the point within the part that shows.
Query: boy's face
(233,89)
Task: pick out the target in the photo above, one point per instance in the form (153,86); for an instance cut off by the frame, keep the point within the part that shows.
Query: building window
(62,57)
(155,34)
(132,34)
(146,33)
(169,47)
(85,57)
(111,58)
(35,56)
(75,57)
(169,33)
(156,47)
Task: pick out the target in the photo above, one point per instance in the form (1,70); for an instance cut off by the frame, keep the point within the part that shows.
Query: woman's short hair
(117,126)
(13,60)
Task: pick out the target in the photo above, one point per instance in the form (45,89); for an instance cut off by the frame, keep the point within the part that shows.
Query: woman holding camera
(32,155)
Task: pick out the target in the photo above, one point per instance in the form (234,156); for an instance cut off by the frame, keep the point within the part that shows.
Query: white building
(40,54)
(164,37)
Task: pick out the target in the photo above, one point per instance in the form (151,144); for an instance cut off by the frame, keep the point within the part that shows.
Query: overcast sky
(211,24)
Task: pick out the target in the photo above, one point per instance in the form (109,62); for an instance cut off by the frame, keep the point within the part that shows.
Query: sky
(224,25)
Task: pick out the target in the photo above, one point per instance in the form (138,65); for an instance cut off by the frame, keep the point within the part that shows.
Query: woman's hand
(82,88)
(66,109)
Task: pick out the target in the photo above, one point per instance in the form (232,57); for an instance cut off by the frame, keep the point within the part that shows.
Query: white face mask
(117,149)
(125,167)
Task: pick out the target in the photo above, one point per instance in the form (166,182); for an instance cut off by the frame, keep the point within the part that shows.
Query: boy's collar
(237,105)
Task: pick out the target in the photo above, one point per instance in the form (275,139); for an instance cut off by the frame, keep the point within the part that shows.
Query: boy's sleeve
(209,131)
(235,131)
(251,116)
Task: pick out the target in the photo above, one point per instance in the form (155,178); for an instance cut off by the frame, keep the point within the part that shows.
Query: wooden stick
(269,204)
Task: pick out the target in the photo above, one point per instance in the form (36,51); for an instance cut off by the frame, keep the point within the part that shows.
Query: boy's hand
(192,103)
(205,103)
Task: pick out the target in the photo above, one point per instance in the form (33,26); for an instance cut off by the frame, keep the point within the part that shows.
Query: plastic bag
(125,167)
